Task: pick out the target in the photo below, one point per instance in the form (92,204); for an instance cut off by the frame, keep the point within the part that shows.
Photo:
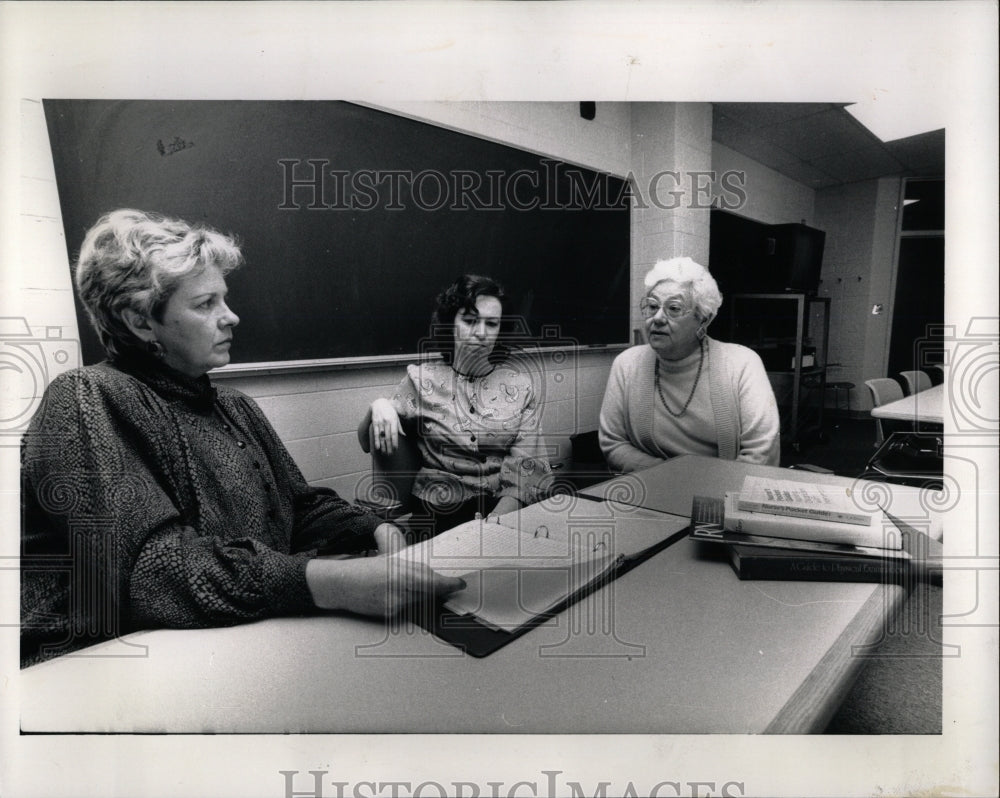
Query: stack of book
(782,529)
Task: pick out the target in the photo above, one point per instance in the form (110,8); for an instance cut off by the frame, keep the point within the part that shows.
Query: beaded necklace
(659,390)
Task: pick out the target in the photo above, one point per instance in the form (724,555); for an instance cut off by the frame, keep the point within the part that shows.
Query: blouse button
(227,428)
(256,465)
(241,444)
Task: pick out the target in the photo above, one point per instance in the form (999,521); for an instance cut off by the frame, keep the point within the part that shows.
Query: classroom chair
(938,374)
(389,491)
(909,458)
(883,390)
(916,381)
(587,464)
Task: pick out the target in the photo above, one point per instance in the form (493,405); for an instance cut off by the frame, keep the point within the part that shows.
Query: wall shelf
(776,326)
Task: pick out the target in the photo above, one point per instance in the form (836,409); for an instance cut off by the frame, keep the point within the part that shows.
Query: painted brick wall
(858,267)
(670,142)
(771,197)
(317,414)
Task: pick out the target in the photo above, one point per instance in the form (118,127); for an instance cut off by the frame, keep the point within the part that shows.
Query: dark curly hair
(460,297)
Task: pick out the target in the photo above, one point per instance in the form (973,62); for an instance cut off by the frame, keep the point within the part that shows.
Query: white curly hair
(693,278)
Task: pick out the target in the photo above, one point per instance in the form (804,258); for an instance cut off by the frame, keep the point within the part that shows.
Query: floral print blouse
(477,435)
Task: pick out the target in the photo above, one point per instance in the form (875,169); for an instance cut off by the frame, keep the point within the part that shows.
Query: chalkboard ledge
(235,370)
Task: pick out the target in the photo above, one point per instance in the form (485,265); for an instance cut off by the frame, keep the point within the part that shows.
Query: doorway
(918,313)
(916,337)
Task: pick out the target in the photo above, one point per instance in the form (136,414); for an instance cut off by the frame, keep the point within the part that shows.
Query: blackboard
(352,219)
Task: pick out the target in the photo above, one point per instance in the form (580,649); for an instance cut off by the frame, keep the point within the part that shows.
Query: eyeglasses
(674,309)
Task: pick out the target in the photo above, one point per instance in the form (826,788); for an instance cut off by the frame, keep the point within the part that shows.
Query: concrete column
(671,160)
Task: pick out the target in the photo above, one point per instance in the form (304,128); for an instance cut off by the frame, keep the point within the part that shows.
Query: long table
(925,407)
(677,645)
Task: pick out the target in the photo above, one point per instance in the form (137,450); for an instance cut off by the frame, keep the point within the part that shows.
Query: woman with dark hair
(476,412)
(152,498)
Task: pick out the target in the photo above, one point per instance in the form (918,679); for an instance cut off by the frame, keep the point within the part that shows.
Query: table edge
(813,704)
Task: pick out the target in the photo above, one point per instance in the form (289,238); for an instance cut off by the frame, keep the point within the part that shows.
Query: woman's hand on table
(380,586)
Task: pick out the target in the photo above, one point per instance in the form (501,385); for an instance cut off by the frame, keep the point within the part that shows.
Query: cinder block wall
(317,414)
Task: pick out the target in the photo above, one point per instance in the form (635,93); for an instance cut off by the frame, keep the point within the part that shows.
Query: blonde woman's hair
(134,259)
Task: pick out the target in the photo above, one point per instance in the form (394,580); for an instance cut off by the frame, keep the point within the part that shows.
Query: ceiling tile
(763,151)
(809,175)
(820,144)
(725,129)
(826,133)
(924,152)
(754,115)
(864,164)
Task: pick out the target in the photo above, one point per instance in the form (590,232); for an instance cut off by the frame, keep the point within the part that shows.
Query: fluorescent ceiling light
(897,120)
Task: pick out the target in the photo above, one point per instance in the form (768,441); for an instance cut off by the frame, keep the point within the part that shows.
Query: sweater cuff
(296,598)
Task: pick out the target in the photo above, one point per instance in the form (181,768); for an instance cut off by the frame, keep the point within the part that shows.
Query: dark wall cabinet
(737,248)
(746,256)
(769,277)
(793,257)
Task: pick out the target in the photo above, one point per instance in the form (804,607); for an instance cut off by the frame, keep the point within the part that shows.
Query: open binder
(526,567)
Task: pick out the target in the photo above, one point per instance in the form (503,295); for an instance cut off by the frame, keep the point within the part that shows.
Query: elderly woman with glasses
(152,498)
(683,392)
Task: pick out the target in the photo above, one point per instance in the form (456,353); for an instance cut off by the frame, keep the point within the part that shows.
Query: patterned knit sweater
(733,414)
(150,499)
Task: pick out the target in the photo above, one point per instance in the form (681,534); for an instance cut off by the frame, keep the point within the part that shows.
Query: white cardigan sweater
(743,409)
